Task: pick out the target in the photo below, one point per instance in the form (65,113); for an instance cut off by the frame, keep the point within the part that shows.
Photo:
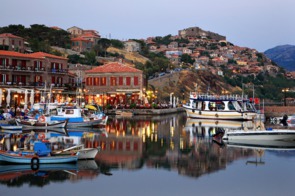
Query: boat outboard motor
(284,120)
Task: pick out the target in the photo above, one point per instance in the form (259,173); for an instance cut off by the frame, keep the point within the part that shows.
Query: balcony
(58,71)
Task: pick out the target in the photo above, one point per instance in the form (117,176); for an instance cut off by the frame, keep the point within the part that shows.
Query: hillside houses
(210,49)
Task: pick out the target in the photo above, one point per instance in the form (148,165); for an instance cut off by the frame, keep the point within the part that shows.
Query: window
(128,81)
(120,81)
(113,81)
(96,81)
(103,81)
(135,81)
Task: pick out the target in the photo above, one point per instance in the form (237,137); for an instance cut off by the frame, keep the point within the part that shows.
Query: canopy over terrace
(20,95)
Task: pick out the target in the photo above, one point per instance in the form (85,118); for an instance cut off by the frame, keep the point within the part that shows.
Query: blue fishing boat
(77,118)
(40,155)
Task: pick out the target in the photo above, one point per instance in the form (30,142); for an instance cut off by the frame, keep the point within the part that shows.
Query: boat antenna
(208,89)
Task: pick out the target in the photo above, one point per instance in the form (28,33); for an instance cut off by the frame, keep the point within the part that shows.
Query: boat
(74,115)
(209,127)
(45,106)
(41,124)
(259,136)
(224,107)
(124,113)
(11,127)
(41,154)
(261,144)
(84,153)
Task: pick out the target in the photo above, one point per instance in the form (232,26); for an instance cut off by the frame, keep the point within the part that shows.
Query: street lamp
(15,103)
(285,90)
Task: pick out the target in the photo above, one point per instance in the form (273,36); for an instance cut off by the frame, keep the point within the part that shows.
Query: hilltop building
(12,42)
(83,40)
(198,32)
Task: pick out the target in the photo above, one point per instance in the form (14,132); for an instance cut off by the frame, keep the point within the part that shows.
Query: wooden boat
(40,155)
(124,113)
(11,127)
(74,115)
(84,153)
(205,106)
(36,124)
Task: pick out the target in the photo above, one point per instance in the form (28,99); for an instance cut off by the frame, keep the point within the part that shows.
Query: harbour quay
(278,111)
(163,111)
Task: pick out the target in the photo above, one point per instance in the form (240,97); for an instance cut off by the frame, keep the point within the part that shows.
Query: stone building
(198,32)
(114,83)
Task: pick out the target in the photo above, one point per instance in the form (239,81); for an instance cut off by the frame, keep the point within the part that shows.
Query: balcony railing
(30,69)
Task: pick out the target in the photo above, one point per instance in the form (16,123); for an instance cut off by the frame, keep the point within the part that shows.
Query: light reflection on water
(165,155)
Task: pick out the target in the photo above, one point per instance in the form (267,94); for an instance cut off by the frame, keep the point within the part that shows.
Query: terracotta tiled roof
(9,35)
(43,54)
(80,39)
(113,67)
(89,35)
(15,54)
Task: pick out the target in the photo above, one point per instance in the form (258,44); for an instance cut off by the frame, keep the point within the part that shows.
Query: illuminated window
(113,81)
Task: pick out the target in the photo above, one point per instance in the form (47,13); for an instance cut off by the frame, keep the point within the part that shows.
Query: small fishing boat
(74,115)
(40,155)
(11,127)
(41,124)
(259,135)
(84,153)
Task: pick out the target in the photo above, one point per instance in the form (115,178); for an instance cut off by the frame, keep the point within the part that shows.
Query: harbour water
(163,155)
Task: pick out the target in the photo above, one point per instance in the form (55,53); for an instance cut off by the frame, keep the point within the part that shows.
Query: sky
(257,24)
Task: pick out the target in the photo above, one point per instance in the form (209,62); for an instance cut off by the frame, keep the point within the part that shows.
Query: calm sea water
(165,155)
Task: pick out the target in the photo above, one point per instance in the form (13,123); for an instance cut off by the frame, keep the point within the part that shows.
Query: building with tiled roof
(11,42)
(33,71)
(81,44)
(115,83)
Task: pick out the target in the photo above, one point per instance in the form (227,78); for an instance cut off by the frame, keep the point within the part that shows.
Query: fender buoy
(216,115)
(35,161)
(41,118)
(200,112)
(41,136)
(216,123)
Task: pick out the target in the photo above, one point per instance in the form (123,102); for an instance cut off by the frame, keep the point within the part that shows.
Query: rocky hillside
(185,81)
(283,55)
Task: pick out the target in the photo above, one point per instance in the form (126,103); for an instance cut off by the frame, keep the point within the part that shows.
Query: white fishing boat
(225,107)
(84,153)
(262,144)
(258,136)
(41,124)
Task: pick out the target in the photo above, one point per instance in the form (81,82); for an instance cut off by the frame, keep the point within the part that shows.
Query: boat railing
(216,97)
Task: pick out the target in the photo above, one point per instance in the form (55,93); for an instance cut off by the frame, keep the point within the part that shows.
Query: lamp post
(285,90)
(15,103)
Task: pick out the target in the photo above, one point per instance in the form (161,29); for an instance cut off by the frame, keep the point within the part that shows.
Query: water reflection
(18,175)
(170,142)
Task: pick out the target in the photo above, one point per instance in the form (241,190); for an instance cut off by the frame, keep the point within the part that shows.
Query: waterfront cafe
(113,84)
(25,97)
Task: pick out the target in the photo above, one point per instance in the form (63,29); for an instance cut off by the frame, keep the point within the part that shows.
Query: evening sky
(260,24)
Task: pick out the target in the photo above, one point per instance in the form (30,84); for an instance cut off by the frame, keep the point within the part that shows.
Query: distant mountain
(283,55)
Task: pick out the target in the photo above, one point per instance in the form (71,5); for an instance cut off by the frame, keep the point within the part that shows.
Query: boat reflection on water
(16,175)
(169,142)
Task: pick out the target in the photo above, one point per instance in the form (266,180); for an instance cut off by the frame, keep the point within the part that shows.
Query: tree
(187,59)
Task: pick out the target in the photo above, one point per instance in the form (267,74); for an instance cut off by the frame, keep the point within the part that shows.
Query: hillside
(185,81)
(131,56)
(283,55)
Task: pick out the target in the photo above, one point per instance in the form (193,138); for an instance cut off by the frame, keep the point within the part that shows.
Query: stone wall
(272,111)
